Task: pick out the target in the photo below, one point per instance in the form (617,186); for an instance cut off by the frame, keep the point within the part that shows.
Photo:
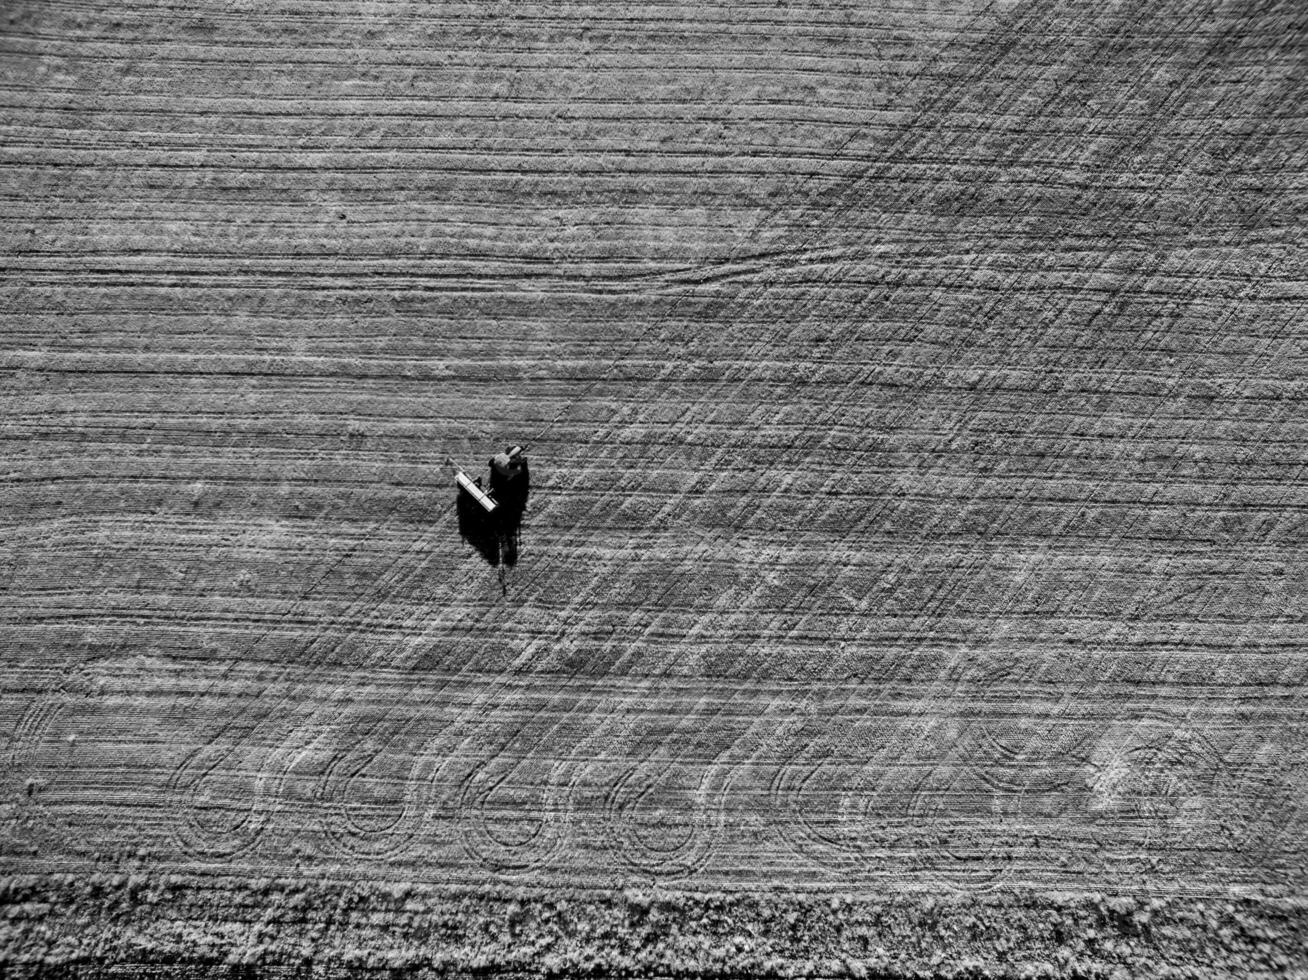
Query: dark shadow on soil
(478,528)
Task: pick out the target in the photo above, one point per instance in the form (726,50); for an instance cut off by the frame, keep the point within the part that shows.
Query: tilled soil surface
(913,581)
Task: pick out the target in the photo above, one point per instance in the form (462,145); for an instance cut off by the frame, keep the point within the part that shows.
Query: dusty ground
(914,578)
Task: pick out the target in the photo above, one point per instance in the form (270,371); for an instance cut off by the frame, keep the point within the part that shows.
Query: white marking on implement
(478,494)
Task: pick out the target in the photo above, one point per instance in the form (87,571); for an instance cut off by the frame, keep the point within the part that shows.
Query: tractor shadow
(478,528)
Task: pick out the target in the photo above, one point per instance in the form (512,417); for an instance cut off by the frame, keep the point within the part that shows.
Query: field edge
(169,924)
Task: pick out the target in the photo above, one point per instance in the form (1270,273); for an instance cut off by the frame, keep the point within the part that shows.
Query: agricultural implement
(473,487)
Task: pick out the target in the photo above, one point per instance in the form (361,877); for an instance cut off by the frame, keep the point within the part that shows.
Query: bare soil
(913,579)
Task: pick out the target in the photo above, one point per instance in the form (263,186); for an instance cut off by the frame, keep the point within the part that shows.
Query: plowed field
(913,581)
